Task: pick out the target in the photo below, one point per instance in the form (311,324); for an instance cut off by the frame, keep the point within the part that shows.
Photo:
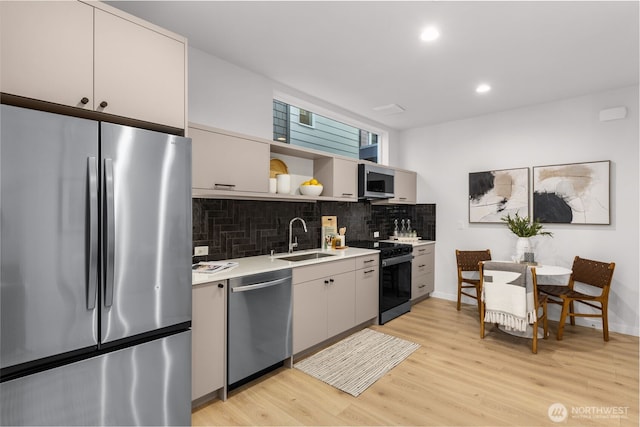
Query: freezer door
(149,384)
(146,231)
(48,195)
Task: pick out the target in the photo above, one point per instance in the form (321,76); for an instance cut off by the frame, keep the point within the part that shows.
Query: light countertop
(265,263)
(414,243)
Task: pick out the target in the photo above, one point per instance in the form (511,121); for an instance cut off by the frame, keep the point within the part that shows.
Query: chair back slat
(468,260)
(594,273)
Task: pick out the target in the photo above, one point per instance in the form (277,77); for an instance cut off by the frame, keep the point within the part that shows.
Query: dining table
(555,273)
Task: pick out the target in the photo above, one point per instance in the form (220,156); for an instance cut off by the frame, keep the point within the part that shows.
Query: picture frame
(573,193)
(498,193)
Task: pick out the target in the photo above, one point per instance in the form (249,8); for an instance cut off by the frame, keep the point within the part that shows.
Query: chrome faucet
(295,244)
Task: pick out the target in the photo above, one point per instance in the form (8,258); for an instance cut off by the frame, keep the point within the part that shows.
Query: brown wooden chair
(528,281)
(468,261)
(593,273)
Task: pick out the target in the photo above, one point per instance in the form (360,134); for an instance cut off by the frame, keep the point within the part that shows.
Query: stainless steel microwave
(375,182)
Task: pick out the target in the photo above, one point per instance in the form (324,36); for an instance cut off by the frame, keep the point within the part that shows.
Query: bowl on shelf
(311,190)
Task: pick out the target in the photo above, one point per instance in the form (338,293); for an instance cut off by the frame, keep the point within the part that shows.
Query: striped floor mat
(357,361)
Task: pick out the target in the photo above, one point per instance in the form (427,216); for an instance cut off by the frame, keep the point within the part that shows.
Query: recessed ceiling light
(429,34)
(483,88)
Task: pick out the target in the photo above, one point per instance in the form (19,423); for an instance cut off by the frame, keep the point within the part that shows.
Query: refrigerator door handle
(92,259)
(110,232)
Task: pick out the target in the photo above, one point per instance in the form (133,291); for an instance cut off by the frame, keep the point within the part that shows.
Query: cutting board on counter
(329,230)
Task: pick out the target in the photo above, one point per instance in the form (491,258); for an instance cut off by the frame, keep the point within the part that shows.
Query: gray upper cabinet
(151,63)
(405,189)
(232,165)
(93,57)
(339,176)
(47,51)
(225,164)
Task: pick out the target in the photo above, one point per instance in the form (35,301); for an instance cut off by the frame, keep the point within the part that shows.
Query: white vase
(283,183)
(523,244)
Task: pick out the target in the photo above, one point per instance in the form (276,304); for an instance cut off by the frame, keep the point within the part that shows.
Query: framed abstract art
(576,193)
(494,194)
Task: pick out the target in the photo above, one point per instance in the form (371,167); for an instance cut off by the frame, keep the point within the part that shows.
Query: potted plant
(524,228)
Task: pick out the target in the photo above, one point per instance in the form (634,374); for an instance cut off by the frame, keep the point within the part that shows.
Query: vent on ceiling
(389,109)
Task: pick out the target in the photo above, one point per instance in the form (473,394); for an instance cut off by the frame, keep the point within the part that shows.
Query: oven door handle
(396,260)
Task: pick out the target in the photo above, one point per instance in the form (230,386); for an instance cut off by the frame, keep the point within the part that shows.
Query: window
(280,121)
(305,118)
(368,146)
(368,138)
(305,128)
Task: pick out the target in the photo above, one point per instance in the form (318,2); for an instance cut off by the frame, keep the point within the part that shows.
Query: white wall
(567,131)
(229,97)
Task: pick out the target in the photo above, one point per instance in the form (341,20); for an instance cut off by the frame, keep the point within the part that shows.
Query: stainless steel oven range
(395,277)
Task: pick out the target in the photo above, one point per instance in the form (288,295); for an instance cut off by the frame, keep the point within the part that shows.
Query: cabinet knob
(331,280)
(326,282)
(84,100)
(104,104)
(220,285)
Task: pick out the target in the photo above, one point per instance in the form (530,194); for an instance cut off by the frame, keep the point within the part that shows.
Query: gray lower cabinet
(328,298)
(323,305)
(367,288)
(208,344)
(422,271)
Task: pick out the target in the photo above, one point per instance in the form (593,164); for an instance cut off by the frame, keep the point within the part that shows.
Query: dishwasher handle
(260,285)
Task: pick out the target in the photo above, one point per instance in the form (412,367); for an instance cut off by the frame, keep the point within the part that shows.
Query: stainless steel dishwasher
(259,325)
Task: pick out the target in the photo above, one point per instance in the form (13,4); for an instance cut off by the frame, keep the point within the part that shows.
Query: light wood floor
(457,379)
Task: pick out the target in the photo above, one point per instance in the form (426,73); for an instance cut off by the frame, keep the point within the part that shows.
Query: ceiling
(361,55)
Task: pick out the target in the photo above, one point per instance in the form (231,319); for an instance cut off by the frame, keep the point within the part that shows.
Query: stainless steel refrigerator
(95,253)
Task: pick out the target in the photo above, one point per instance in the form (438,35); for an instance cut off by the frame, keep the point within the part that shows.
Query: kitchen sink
(305,257)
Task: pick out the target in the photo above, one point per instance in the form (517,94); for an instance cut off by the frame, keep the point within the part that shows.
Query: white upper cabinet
(94,58)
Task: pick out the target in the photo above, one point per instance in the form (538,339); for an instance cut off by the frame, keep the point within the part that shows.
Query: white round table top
(552,270)
(549,270)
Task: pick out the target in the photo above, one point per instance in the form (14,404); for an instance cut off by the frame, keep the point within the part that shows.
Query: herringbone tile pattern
(241,228)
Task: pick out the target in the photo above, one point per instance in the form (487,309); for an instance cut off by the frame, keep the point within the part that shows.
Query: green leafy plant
(522,226)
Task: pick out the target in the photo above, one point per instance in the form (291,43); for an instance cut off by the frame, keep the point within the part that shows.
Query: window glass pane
(304,128)
(305,118)
(280,121)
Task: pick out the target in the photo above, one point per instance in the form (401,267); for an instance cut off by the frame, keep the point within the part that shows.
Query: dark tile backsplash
(241,228)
